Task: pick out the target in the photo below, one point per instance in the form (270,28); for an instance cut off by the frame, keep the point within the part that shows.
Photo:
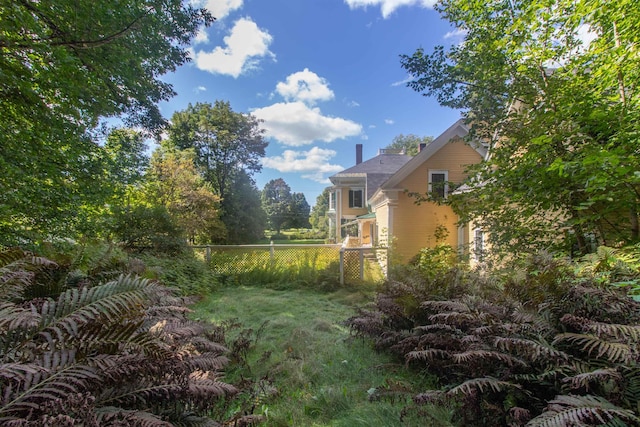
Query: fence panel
(357,264)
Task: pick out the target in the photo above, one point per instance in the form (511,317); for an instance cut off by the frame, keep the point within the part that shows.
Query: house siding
(414,226)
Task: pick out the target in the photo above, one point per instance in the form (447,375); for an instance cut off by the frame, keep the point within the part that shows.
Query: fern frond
(617,331)
(205,345)
(14,317)
(205,389)
(567,410)
(110,415)
(435,327)
(454,305)
(455,318)
(532,350)
(612,351)
(472,356)
(206,362)
(583,380)
(44,386)
(482,384)
(427,355)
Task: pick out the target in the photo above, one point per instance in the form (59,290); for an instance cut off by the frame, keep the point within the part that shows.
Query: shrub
(77,350)
(545,347)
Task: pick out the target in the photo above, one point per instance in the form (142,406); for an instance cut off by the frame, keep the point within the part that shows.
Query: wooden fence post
(272,254)
(342,266)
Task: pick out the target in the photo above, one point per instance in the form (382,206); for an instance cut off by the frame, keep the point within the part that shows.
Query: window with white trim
(438,184)
(355,198)
(332,201)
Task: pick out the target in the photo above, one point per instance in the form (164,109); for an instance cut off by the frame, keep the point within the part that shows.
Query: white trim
(432,172)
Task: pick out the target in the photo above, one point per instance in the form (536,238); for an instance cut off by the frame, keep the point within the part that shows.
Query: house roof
(376,170)
(457,130)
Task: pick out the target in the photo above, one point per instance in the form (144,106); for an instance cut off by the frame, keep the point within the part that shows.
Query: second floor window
(438,185)
(332,201)
(355,198)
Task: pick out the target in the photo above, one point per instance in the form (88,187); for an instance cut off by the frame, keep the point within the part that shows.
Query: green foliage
(558,112)
(318,218)
(63,66)
(141,227)
(538,344)
(284,209)
(94,352)
(228,147)
(409,144)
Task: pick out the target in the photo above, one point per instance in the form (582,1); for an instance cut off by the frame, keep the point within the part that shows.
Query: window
(332,201)
(478,244)
(438,184)
(355,198)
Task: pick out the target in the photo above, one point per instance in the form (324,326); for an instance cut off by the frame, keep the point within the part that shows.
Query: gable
(448,151)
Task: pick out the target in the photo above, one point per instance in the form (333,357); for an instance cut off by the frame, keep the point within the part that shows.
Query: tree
(244,218)
(410,144)
(299,211)
(559,112)
(224,141)
(318,217)
(173,182)
(227,146)
(63,66)
(276,203)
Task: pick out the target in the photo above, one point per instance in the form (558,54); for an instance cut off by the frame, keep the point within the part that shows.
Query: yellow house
(390,216)
(349,213)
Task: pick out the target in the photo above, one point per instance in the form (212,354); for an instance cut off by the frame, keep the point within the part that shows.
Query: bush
(541,346)
(147,228)
(110,349)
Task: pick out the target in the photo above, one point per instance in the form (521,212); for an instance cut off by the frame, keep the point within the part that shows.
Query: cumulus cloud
(201,37)
(313,164)
(199,89)
(389,121)
(457,35)
(387,7)
(245,45)
(218,8)
(305,86)
(297,124)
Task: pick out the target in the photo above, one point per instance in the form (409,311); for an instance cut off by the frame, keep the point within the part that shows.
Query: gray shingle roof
(378,170)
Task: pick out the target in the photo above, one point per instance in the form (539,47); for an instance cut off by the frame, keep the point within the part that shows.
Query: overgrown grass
(307,369)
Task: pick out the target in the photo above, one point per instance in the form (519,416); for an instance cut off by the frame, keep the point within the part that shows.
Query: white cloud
(305,86)
(352,104)
(296,124)
(244,46)
(200,89)
(387,7)
(313,164)
(218,8)
(389,121)
(201,36)
(457,35)
(402,82)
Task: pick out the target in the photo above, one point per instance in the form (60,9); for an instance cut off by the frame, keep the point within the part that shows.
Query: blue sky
(324,75)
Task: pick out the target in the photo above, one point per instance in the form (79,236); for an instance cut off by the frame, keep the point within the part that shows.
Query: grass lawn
(309,371)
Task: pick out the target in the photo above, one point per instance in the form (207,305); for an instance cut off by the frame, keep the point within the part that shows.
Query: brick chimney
(422,145)
(358,154)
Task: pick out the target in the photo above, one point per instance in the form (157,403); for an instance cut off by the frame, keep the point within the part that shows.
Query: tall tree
(410,144)
(276,203)
(244,218)
(299,211)
(559,110)
(318,217)
(227,144)
(63,65)
(224,141)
